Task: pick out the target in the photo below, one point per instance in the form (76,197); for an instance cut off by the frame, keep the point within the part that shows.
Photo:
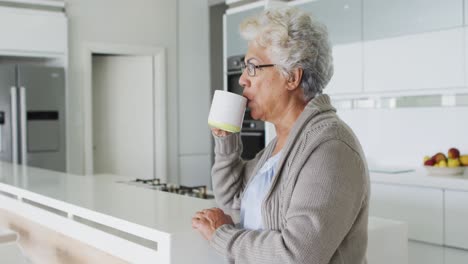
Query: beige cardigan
(316,210)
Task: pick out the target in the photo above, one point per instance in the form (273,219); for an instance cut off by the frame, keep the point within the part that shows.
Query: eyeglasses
(251,67)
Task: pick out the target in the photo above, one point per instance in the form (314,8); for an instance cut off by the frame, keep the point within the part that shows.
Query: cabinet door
(235,44)
(387,242)
(422,253)
(347,63)
(383,18)
(342,18)
(456,219)
(455,256)
(466,11)
(466,49)
(420,208)
(194,81)
(425,61)
(32,31)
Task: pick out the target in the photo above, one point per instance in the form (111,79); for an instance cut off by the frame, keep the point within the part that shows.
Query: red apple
(453,153)
(439,157)
(429,162)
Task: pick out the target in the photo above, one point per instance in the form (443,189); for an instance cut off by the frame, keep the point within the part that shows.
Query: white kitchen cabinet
(387,242)
(421,208)
(465,3)
(422,253)
(194,82)
(383,18)
(32,32)
(456,219)
(342,18)
(235,44)
(425,61)
(466,48)
(455,256)
(347,76)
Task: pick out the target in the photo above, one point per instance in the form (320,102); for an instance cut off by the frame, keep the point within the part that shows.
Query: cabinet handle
(23,126)
(14,124)
(257,134)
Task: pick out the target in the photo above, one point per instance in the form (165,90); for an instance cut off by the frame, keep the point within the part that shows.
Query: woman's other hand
(219,132)
(208,220)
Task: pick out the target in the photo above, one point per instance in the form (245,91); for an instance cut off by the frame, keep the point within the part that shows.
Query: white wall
(136,22)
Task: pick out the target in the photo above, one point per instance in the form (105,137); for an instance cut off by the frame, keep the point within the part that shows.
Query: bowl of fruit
(452,164)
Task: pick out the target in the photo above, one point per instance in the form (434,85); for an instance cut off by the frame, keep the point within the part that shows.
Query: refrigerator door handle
(14,124)
(23,126)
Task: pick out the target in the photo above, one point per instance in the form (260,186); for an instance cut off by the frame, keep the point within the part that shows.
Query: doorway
(123,117)
(125,111)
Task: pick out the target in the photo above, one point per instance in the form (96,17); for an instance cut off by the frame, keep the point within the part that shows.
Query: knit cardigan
(316,210)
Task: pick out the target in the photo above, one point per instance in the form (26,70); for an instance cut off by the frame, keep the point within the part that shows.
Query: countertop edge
(420,178)
(74,210)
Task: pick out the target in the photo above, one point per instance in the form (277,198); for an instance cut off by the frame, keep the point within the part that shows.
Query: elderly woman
(305,197)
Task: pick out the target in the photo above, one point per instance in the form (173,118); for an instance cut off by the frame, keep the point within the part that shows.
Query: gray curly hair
(294,40)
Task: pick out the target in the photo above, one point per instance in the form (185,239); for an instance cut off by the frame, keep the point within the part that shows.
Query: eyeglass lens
(250,68)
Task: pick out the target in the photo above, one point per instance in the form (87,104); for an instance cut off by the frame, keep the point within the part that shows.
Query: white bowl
(444,170)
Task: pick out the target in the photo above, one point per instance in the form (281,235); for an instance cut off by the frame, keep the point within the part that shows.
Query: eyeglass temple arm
(264,65)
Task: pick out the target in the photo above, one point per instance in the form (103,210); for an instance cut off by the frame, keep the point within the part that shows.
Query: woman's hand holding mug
(219,132)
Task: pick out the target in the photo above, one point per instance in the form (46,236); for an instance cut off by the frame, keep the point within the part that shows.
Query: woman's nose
(244,80)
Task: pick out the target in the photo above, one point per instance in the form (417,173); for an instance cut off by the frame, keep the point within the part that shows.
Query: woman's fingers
(219,132)
(208,220)
(198,221)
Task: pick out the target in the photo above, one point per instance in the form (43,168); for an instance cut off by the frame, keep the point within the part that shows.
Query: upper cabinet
(384,47)
(32,32)
(235,44)
(413,45)
(342,18)
(383,18)
(347,66)
(432,60)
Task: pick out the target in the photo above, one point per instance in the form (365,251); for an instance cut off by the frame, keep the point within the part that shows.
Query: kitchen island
(130,223)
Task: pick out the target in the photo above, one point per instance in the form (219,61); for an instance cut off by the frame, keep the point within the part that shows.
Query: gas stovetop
(155,184)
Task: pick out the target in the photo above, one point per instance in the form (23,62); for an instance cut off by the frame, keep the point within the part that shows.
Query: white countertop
(148,213)
(420,178)
(165,212)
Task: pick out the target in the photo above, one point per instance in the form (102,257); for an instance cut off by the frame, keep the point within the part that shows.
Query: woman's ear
(295,78)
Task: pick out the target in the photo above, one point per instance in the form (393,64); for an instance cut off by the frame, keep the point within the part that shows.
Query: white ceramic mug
(227,111)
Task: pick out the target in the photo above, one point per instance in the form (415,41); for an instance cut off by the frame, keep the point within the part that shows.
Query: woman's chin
(254,113)
(254,116)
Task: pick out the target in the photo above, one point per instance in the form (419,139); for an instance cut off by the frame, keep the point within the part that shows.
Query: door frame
(159,107)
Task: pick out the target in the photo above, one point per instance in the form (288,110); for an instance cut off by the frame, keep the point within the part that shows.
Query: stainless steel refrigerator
(32,116)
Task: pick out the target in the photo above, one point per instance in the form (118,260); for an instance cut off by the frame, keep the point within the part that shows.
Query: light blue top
(251,204)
